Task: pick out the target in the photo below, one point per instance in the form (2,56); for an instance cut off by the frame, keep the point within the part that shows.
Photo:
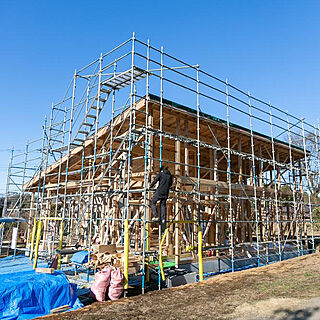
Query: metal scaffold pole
(66,179)
(35,205)
(293,187)
(93,207)
(229,179)
(22,193)
(276,187)
(145,225)
(254,182)
(6,199)
(160,231)
(308,186)
(161,107)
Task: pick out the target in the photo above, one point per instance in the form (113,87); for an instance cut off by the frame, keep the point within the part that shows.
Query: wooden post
(215,166)
(251,175)
(103,221)
(170,233)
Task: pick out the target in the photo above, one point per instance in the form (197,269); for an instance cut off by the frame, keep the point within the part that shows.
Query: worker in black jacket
(164,178)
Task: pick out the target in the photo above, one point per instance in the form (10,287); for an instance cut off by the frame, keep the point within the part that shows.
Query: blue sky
(270,47)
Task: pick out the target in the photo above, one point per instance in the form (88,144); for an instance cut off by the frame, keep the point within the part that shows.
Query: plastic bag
(101,283)
(116,286)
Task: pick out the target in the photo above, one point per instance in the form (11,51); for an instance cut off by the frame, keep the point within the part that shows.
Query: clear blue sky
(271,48)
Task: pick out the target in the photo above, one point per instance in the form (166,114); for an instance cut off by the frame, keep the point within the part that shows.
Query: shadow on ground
(310,313)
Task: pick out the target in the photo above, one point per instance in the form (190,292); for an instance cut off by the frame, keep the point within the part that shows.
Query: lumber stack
(45,270)
(112,255)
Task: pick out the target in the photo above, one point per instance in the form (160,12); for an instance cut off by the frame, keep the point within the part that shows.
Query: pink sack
(116,286)
(101,283)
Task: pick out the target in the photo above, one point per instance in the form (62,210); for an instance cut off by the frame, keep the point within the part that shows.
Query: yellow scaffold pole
(200,262)
(33,235)
(160,254)
(60,244)
(37,244)
(126,255)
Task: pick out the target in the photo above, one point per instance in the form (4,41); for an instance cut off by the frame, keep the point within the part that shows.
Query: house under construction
(245,172)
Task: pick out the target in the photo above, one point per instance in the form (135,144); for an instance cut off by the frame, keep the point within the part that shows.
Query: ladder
(91,116)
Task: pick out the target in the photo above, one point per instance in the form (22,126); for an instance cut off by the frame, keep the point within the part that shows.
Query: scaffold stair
(91,117)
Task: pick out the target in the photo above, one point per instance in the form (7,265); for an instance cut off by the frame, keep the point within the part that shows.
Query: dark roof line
(208,116)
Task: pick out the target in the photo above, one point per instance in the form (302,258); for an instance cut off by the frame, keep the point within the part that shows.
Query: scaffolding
(247,177)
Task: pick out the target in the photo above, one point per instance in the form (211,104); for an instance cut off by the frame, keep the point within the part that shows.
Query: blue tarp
(27,295)
(19,263)
(80,257)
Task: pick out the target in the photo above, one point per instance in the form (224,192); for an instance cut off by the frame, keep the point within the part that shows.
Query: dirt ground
(283,290)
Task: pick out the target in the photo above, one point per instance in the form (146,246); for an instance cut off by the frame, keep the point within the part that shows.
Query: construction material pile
(111,255)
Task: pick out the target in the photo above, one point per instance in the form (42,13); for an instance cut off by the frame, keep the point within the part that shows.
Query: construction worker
(164,179)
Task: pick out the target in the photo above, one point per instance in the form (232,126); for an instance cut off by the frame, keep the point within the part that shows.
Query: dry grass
(269,292)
